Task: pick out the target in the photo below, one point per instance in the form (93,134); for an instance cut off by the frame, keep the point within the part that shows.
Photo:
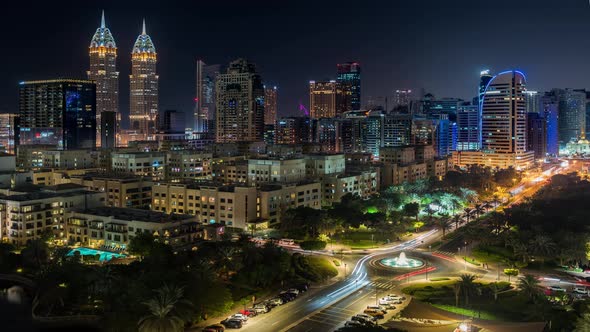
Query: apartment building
(150,164)
(121,189)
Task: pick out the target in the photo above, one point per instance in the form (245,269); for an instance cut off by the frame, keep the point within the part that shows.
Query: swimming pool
(104,255)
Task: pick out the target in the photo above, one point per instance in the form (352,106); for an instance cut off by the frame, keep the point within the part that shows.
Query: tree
(36,253)
(542,246)
(457,292)
(478,209)
(521,251)
(443,224)
(467,285)
(583,323)
(313,245)
(529,286)
(467,213)
(167,311)
(457,220)
(412,209)
(141,244)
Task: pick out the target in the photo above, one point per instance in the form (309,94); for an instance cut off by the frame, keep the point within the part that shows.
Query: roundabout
(401,262)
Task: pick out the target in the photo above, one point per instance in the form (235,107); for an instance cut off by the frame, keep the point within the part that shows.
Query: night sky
(437,45)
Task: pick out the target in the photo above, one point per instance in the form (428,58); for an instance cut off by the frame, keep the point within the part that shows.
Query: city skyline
(390,60)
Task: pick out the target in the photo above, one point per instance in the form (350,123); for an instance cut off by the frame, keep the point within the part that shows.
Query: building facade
(121,190)
(205,97)
(143,113)
(58,112)
(9,123)
(322,99)
(270,105)
(468,130)
(349,81)
(537,134)
(103,71)
(240,104)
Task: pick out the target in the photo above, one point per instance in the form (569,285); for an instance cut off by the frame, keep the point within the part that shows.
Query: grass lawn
(467,312)
(322,266)
(491,254)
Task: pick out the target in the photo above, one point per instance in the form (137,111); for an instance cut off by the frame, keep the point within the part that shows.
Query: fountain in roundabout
(401,262)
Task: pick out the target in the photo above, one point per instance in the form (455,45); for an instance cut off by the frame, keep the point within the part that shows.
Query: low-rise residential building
(275,170)
(363,184)
(113,227)
(230,170)
(9,176)
(150,164)
(188,165)
(411,163)
(30,157)
(230,205)
(69,159)
(318,166)
(275,199)
(122,190)
(26,215)
(523,160)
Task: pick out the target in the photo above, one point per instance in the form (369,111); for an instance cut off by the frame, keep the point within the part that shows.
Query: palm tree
(457,291)
(167,311)
(443,224)
(478,209)
(468,213)
(521,251)
(497,221)
(542,246)
(529,285)
(35,253)
(457,220)
(583,323)
(467,285)
(487,205)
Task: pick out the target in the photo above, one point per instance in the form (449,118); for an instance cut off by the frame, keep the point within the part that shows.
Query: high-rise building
(108,129)
(444,106)
(402,97)
(572,114)
(9,123)
(205,97)
(537,134)
(270,105)
(322,99)
(103,71)
(533,101)
(349,80)
(240,104)
(504,114)
(293,130)
(58,112)
(550,111)
(143,113)
(468,130)
(173,122)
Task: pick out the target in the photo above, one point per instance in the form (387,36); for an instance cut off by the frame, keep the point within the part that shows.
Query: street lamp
(344,270)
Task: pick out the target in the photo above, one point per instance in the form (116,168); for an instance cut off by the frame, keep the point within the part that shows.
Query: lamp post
(344,270)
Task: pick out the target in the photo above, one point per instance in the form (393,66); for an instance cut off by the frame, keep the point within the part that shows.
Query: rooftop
(133,214)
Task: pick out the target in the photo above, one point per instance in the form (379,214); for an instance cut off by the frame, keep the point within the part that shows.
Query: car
(302,287)
(377,307)
(364,319)
(214,328)
(395,296)
(353,323)
(249,312)
(232,323)
(287,297)
(374,313)
(556,289)
(276,301)
(389,301)
(241,317)
(293,290)
(290,292)
(581,290)
(261,308)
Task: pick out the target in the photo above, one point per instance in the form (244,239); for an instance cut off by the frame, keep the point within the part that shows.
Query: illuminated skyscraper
(270,105)
(58,112)
(144,87)
(322,99)
(205,97)
(468,127)
(402,97)
(103,70)
(504,114)
(9,123)
(349,80)
(240,104)
(533,101)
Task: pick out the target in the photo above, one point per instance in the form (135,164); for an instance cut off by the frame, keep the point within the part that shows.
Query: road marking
(275,323)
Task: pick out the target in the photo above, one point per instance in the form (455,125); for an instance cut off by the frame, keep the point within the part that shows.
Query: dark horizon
(423,44)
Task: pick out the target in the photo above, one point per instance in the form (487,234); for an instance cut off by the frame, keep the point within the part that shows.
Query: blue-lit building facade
(58,112)
(468,129)
(349,84)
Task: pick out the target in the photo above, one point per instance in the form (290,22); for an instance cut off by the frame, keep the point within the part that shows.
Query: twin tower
(143,82)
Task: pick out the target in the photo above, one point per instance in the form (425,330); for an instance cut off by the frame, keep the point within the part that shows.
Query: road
(331,305)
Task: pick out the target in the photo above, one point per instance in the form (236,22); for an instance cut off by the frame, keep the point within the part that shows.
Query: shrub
(313,245)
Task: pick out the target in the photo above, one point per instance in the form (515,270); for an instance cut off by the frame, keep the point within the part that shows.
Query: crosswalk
(381,285)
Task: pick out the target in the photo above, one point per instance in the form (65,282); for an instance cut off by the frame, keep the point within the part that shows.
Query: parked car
(373,313)
(389,300)
(232,323)
(302,287)
(214,328)
(241,317)
(276,301)
(290,293)
(293,290)
(581,290)
(353,323)
(556,289)
(395,296)
(261,308)
(287,297)
(364,319)
(377,307)
(249,312)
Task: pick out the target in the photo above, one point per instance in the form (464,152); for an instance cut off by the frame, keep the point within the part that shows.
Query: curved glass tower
(103,70)
(143,111)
